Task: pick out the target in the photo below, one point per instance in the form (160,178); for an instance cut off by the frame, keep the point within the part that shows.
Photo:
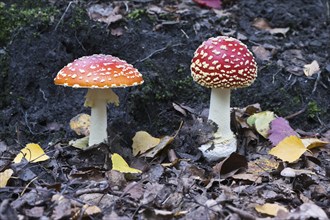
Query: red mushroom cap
(98,71)
(223,62)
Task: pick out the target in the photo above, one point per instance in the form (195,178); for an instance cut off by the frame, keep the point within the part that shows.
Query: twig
(157,51)
(184,33)
(316,81)
(43,94)
(296,113)
(62,17)
(242,213)
(92,190)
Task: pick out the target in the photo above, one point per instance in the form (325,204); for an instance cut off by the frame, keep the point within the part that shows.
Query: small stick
(62,17)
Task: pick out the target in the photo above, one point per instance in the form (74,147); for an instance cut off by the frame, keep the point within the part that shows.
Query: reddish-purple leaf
(209,3)
(280,129)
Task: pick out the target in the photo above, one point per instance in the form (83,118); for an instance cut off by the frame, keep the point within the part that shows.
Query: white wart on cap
(223,62)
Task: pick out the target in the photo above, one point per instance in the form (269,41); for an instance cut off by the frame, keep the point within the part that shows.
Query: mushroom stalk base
(218,148)
(224,142)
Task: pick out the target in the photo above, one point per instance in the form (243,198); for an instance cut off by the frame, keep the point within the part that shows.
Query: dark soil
(161,45)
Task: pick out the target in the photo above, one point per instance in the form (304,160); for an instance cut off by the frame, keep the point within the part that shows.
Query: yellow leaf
(162,144)
(119,164)
(311,143)
(5,176)
(81,143)
(270,209)
(32,153)
(261,122)
(143,141)
(80,124)
(289,149)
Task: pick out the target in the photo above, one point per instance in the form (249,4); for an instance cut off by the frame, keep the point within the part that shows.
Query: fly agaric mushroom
(222,63)
(99,73)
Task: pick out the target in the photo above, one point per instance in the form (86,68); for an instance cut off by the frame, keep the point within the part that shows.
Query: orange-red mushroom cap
(98,71)
(223,62)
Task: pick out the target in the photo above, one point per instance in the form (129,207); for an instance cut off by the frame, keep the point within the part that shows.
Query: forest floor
(159,37)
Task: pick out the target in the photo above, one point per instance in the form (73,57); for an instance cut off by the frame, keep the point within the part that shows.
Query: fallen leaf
(280,129)
(261,53)
(307,210)
(5,176)
(311,143)
(209,3)
(104,13)
(247,176)
(270,209)
(119,164)
(312,68)
(261,122)
(135,190)
(162,144)
(262,24)
(117,31)
(81,143)
(35,212)
(230,165)
(143,141)
(61,208)
(179,109)
(279,30)
(90,210)
(80,124)
(293,61)
(289,149)
(32,153)
(262,165)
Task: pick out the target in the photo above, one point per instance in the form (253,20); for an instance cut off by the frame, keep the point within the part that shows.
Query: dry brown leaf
(262,165)
(261,24)
(90,210)
(247,176)
(104,13)
(261,53)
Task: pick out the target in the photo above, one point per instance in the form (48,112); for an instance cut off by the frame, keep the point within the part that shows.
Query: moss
(13,17)
(136,14)
(79,17)
(313,109)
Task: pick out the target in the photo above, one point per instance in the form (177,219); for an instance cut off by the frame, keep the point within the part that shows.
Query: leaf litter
(77,184)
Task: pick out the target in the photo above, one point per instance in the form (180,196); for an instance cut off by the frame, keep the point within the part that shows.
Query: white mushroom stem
(224,142)
(220,111)
(97,99)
